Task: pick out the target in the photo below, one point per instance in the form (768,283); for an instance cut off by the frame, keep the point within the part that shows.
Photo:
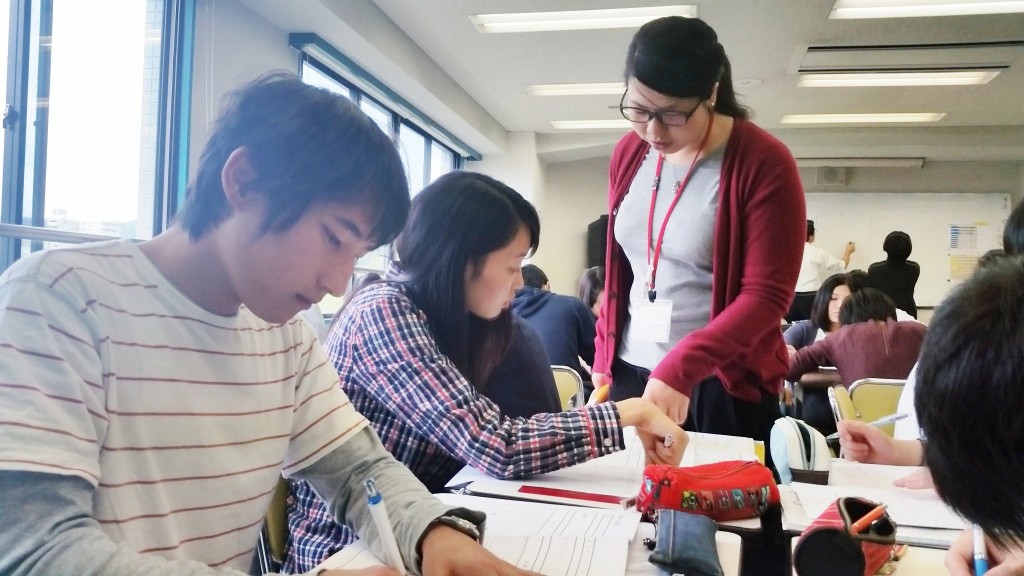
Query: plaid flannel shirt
(430,417)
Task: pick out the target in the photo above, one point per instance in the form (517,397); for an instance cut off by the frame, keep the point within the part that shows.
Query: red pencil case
(826,546)
(729,490)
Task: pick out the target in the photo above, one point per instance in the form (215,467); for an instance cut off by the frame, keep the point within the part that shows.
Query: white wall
(576,194)
(233,45)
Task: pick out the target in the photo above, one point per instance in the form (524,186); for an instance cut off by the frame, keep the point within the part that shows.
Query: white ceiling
(765,40)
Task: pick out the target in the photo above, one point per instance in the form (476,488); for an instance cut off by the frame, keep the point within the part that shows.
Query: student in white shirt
(816,265)
(152,394)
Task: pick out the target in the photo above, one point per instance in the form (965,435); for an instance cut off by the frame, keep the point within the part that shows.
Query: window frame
(173,119)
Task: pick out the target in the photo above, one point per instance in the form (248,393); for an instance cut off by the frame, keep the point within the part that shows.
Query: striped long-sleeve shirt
(430,416)
(181,419)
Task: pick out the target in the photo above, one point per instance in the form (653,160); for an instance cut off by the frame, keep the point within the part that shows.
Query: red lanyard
(652,267)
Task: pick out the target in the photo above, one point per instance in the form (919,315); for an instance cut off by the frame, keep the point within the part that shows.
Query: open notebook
(544,538)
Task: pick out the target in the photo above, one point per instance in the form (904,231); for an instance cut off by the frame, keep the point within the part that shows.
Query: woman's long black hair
(455,223)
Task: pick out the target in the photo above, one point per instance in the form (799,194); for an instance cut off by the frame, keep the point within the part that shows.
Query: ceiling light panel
(577,19)
(862,118)
(844,9)
(948,78)
(597,88)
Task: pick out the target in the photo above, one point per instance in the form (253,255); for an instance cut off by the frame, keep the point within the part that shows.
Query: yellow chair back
(867,400)
(274,536)
(875,398)
(570,386)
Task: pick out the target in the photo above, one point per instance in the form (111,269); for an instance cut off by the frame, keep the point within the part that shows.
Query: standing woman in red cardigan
(705,237)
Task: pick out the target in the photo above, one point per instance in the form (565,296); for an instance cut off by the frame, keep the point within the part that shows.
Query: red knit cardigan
(759,239)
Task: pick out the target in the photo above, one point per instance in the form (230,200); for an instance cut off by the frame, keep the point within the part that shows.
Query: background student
(564,324)
(415,351)
(824,320)
(591,288)
(870,343)
(152,394)
(814,266)
(896,275)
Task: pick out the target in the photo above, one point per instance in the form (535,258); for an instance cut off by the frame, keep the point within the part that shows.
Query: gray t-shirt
(684,267)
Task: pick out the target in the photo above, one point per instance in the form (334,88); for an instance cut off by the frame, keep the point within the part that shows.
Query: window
(90,138)
(424,157)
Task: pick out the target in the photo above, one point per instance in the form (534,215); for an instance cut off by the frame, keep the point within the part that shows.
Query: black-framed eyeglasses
(666,117)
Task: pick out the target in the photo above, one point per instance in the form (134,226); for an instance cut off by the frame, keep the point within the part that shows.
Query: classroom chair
(868,399)
(877,397)
(274,535)
(570,386)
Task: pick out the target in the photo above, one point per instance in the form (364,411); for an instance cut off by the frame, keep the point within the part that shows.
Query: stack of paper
(542,538)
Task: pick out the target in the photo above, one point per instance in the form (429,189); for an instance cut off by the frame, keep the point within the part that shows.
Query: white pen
(891,418)
(383,523)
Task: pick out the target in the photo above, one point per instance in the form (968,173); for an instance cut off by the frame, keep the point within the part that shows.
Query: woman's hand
(1001,562)
(654,429)
(862,442)
(672,402)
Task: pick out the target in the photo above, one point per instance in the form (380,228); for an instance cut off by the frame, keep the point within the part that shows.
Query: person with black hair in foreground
(970,381)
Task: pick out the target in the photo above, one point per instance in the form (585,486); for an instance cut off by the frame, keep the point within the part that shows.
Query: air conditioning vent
(912,57)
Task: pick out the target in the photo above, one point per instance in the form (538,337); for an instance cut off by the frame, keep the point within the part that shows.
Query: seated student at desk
(824,320)
(413,351)
(564,324)
(152,394)
(969,387)
(871,343)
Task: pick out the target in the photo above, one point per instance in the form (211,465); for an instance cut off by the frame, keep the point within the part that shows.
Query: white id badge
(651,321)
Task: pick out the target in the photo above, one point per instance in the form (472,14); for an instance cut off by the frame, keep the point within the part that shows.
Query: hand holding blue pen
(383,523)
(980,552)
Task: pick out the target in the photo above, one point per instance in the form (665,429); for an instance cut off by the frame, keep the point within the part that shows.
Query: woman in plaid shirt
(414,351)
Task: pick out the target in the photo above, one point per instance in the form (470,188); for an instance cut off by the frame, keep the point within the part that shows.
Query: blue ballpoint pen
(383,523)
(980,553)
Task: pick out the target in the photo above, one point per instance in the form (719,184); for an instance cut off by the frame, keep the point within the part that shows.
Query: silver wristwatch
(461,524)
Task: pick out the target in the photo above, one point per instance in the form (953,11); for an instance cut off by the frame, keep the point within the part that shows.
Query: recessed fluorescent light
(597,88)
(861,118)
(911,8)
(577,19)
(590,124)
(842,80)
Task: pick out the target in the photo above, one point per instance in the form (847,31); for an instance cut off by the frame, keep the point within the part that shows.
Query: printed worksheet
(559,555)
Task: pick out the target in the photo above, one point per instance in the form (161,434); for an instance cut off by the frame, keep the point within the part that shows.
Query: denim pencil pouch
(686,544)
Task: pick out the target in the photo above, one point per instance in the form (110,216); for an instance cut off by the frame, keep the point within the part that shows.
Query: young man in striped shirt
(151,394)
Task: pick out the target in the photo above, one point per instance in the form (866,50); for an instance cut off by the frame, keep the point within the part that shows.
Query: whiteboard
(948,231)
